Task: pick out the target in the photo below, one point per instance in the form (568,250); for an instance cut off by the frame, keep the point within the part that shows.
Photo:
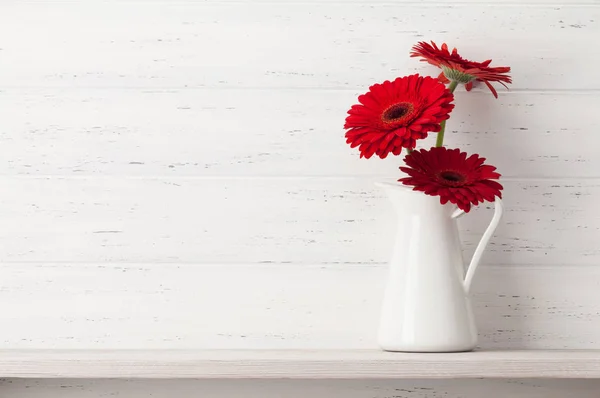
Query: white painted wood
(298,364)
(285,220)
(197,44)
(463,388)
(108,87)
(272,133)
(273,306)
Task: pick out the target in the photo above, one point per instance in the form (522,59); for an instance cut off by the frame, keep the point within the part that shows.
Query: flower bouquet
(426,305)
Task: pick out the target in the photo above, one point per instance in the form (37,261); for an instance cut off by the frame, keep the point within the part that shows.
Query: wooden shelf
(301,364)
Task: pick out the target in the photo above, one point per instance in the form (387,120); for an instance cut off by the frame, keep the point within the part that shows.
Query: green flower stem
(440,137)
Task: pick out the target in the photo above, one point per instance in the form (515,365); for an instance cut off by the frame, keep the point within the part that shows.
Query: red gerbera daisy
(449,174)
(457,68)
(393,115)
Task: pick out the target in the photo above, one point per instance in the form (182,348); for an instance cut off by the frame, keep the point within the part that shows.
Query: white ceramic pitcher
(426,306)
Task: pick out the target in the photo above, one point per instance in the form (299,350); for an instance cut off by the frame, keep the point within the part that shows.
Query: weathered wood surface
(143,140)
(264,132)
(278,306)
(27,388)
(298,364)
(293,44)
(284,220)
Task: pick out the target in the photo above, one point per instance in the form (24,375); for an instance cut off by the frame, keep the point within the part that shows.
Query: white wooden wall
(173,174)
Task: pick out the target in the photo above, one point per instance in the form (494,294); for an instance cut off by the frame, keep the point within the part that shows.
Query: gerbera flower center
(397,112)
(452,176)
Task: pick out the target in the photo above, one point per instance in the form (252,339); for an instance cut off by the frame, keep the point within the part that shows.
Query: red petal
(492,89)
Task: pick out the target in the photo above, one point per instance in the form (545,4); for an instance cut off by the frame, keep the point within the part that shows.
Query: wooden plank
(276,306)
(254,220)
(272,133)
(298,364)
(184,388)
(284,45)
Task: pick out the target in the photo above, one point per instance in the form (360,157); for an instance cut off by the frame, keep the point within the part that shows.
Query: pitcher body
(426,305)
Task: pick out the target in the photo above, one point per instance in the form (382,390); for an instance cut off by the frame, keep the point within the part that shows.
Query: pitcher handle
(498,209)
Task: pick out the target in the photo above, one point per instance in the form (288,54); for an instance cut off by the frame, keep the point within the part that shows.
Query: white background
(174,175)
